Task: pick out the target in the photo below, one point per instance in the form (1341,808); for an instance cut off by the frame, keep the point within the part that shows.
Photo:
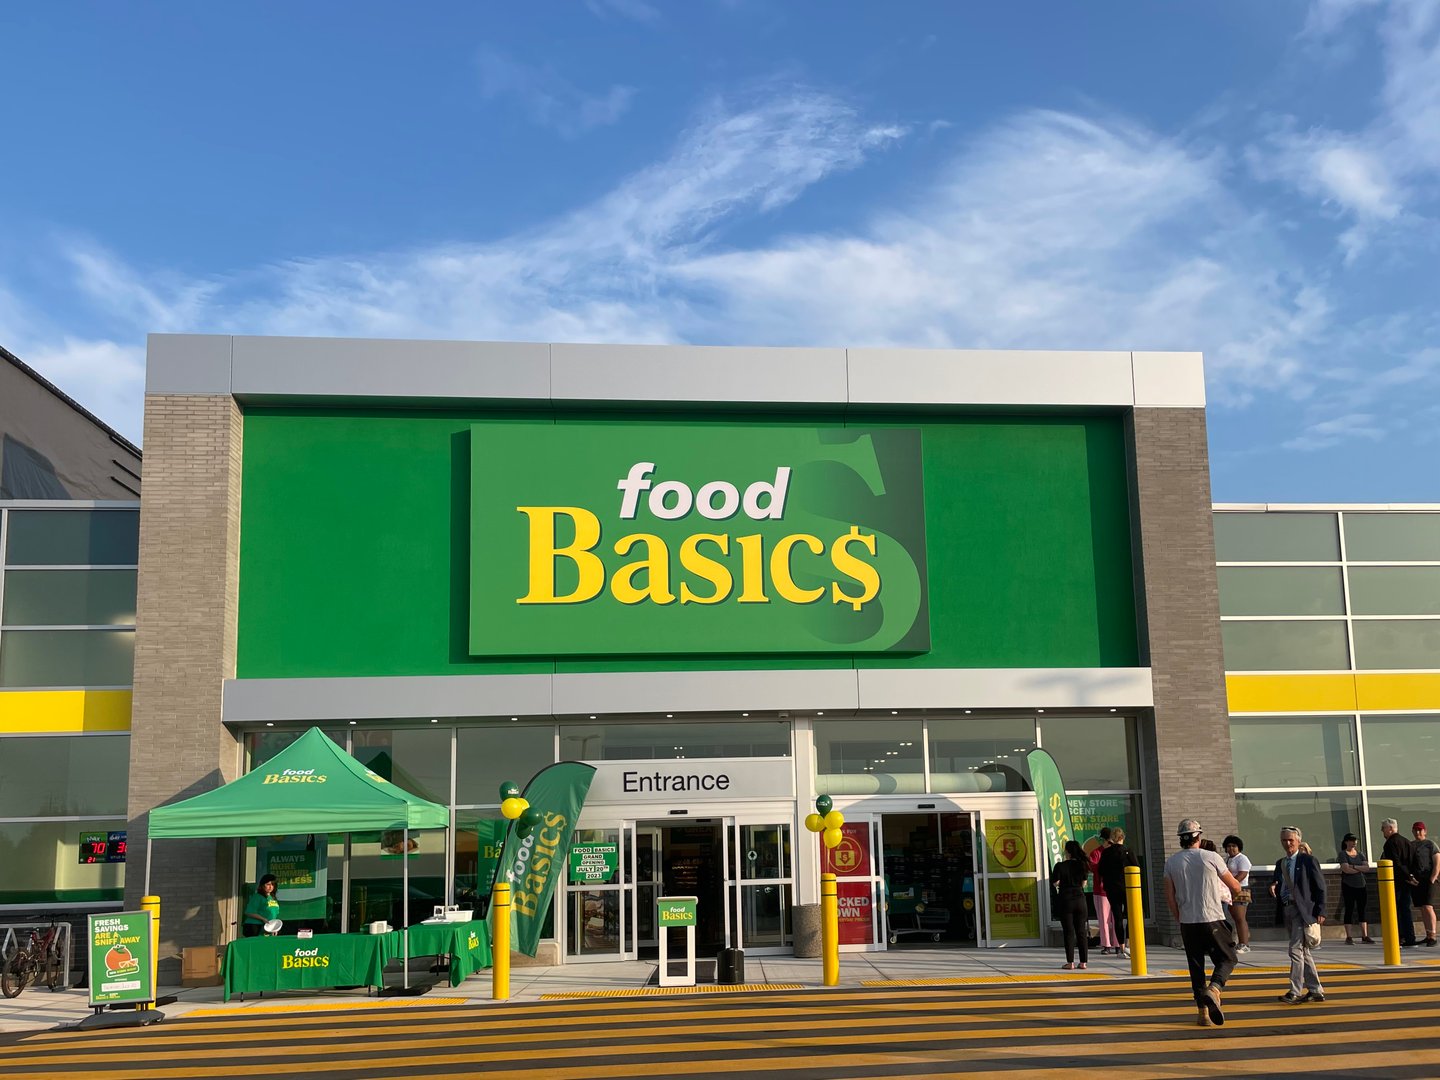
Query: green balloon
(824,804)
(527,822)
(509,790)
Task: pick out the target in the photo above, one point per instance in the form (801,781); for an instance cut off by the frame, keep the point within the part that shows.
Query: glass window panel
(376,877)
(67,657)
(1392,537)
(488,756)
(1401,750)
(1395,590)
(856,757)
(73,538)
(981,753)
(1278,537)
(70,598)
(478,837)
(643,742)
(1406,807)
(42,863)
(1409,644)
(261,746)
(1294,751)
(417,759)
(1285,646)
(319,913)
(1321,819)
(1094,753)
(1281,590)
(64,775)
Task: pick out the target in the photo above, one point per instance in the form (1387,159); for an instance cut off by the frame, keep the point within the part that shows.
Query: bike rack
(11,943)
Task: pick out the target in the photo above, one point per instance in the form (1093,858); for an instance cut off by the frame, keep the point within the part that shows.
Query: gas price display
(102,847)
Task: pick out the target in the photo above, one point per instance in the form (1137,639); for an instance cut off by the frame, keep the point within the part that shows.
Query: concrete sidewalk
(39,1009)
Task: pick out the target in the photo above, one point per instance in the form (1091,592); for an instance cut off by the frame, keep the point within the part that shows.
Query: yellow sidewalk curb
(324,1006)
(665,991)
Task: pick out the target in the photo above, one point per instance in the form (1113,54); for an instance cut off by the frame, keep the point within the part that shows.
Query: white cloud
(548,98)
(1332,432)
(107,377)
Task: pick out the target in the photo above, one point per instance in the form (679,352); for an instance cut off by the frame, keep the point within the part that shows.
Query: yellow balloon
(833,837)
(512,808)
(814,822)
(834,819)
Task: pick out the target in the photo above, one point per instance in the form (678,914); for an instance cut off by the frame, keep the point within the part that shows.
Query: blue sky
(1259,181)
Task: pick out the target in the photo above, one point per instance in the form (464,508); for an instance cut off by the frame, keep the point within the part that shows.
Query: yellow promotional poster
(1010,845)
(1014,909)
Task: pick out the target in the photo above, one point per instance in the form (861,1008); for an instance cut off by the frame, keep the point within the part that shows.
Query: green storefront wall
(355,545)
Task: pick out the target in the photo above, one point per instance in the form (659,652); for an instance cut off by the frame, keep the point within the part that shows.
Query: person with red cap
(1427,869)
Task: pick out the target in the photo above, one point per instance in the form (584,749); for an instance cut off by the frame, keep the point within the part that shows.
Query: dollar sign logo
(863,573)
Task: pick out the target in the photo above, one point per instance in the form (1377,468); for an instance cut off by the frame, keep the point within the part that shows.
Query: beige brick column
(184,649)
(1188,766)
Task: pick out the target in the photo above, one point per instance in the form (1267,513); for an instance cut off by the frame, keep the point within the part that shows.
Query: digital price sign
(102,847)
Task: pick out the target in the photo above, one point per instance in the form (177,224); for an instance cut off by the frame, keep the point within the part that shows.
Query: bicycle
(37,961)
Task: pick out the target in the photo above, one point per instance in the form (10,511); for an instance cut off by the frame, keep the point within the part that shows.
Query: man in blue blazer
(1299,887)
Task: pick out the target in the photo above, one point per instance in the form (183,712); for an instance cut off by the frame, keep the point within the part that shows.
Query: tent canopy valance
(312,786)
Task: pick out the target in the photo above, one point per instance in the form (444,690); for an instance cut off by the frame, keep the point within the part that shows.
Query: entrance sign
(593,864)
(685,783)
(612,539)
(121,958)
(676,912)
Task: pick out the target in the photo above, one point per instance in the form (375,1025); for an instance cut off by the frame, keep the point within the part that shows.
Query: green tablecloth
(467,944)
(258,964)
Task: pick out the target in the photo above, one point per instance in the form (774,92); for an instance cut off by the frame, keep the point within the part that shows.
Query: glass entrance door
(760,892)
(930,876)
(598,919)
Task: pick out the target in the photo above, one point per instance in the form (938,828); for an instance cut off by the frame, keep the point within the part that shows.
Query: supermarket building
(731,578)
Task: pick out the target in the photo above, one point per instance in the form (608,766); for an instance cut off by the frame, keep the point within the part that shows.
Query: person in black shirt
(1113,861)
(1068,880)
(1401,852)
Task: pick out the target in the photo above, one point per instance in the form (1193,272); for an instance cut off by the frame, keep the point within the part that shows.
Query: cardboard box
(200,965)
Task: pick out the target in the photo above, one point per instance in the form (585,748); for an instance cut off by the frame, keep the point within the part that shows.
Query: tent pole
(149,851)
(405,902)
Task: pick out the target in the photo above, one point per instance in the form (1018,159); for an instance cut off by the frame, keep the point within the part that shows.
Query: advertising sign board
(599,539)
(121,962)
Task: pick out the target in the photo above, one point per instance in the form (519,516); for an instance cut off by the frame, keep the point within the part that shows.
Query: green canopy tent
(312,786)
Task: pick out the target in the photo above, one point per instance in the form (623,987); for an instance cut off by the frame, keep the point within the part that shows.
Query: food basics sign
(594,538)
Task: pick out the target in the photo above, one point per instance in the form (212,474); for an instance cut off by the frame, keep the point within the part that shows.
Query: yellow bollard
(1135,921)
(500,972)
(1389,928)
(152,905)
(829,930)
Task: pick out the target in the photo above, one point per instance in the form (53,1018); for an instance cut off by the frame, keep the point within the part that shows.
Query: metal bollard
(1135,921)
(152,905)
(500,971)
(829,930)
(1389,920)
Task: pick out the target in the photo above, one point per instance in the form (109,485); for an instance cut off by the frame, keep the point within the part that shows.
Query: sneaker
(1430,941)
(1349,941)
(1080,966)
(1212,1005)
(1314,995)
(1242,948)
(1289,998)
(1125,951)
(1367,941)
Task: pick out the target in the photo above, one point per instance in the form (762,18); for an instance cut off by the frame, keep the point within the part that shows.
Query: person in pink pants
(1102,905)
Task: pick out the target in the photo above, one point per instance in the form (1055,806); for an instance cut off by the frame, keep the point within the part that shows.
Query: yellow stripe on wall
(34,712)
(1338,692)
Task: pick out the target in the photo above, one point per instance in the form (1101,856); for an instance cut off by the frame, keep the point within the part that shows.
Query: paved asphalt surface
(1373,1023)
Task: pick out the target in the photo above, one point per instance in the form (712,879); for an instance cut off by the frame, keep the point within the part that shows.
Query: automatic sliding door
(598,919)
(760,891)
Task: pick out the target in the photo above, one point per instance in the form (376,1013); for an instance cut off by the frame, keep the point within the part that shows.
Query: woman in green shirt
(261,907)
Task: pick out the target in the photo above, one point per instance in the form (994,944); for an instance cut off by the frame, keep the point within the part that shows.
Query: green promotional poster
(598,539)
(1054,807)
(301,874)
(533,859)
(121,958)
(593,864)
